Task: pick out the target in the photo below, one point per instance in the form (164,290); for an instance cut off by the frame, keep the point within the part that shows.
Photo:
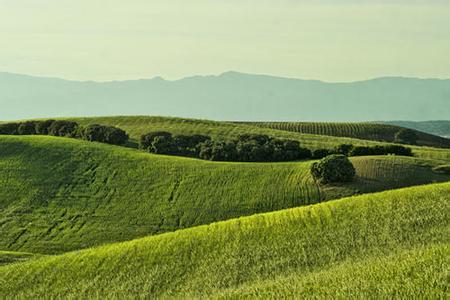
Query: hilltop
(229,96)
(365,246)
(366,131)
(138,125)
(438,127)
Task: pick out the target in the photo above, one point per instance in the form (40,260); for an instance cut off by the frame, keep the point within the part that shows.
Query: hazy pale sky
(331,40)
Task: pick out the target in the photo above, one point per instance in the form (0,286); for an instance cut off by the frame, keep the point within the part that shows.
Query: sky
(329,40)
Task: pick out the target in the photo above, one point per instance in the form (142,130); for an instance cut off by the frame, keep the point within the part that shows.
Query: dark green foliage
(63,128)
(9,128)
(246,148)
(115,136)
(343,149)
(397,150)
(380,150)
(262,148)
(147,139)
(27,128)
(163,142)
(163,145)
(188,145)
(94,132)
(50,127)
(218,151)
(332,169)
(443,169)
(360,151)
(103,134)
(406,136)
(42,127)
(321,153)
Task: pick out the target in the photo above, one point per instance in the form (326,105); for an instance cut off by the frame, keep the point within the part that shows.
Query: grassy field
(138,125)
(381,245)
(365,131)
(9,257)
(63,194)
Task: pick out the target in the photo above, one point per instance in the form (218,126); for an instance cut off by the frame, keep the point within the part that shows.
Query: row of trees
(246,148)
(94,132)
(350,150)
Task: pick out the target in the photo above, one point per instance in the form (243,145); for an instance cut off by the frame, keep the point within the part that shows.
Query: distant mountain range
(229,96)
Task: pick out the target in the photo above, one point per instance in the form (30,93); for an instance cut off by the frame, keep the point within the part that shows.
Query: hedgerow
(247,148)
(64,128)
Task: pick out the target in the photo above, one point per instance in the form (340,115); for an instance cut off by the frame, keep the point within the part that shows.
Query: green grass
(384,245)
(419,273)
(138,125)
(9,257)
(63,194)
(365,131)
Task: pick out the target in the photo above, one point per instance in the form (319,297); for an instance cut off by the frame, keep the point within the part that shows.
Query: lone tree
(406,136)
(332,169)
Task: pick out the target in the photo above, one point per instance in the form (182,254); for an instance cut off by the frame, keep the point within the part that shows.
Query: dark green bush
(188,145)
(380,150)
(320,153)
(147,139)
(42,127)
(261,148)
(63,128)
(103,134)
(246,148)
(343,149)
(218,151)
(333,169)
(115,136)
(360,151)
(163,145)
(163,142)
(27,128)
(9,128)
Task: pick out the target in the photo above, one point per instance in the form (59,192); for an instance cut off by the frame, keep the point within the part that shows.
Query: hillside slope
(365,131)
(229,96)
(318,249)
(63,194)
(438,127)
(138,125)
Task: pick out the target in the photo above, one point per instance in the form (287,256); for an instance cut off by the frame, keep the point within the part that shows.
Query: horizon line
(222,74)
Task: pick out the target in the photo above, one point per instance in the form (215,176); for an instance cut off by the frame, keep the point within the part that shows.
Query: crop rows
(364,247)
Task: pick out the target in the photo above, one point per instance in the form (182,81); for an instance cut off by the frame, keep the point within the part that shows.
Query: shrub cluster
(247,148)
(350,150)
(332,169)
(98,133)
(47,127)
(103,134)
(162,142)
(380,150)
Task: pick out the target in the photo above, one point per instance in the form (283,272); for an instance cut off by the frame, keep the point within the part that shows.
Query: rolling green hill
(62,194)
(365,131)
(436,127)
(138,125)
(380,245)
